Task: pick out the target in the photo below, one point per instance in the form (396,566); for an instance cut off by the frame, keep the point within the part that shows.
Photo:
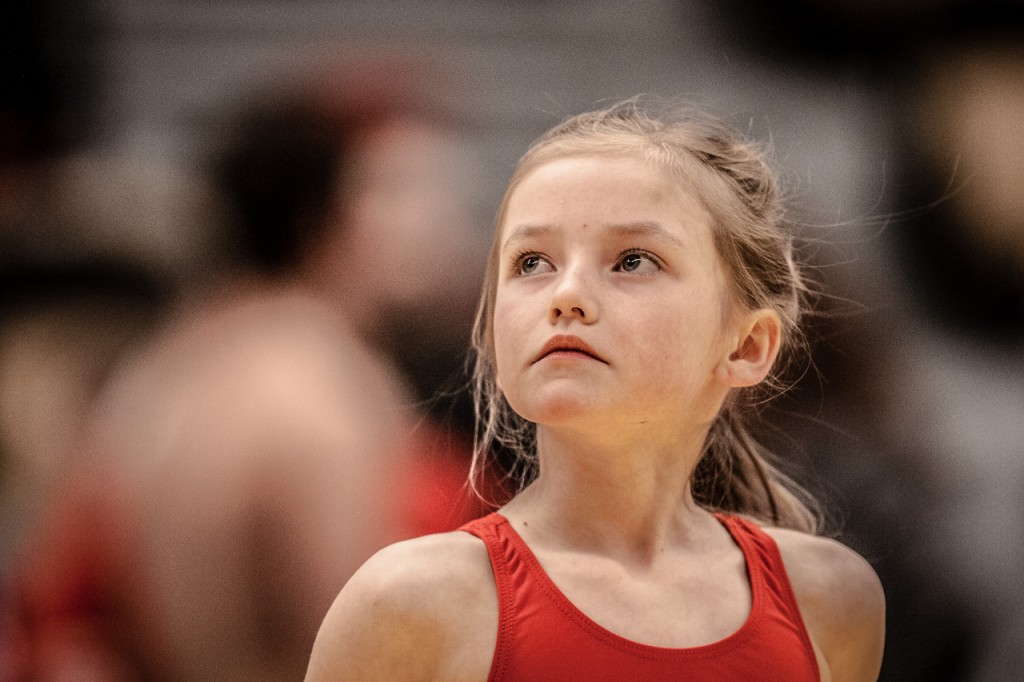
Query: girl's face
(612,304)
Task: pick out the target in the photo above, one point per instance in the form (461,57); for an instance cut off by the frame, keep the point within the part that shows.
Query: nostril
(557,312)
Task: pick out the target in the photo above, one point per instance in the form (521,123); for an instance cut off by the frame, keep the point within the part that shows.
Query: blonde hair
(732,177)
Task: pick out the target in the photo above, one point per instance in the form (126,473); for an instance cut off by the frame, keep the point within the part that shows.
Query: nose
(573,298)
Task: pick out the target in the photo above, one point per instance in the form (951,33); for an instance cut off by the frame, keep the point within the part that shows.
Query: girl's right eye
(532,264)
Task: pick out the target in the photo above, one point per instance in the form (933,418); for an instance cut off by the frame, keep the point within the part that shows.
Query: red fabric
(435,495)
(542,636)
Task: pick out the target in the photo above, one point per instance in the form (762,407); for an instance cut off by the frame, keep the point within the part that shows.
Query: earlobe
(754,354)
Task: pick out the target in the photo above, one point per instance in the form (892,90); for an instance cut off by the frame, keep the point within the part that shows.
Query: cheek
(504,339)
(685,350)
(512,318)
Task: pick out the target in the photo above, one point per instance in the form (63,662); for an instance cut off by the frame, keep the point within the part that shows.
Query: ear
(755,351)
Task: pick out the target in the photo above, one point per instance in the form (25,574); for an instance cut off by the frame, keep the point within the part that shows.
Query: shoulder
(421,609)
(840,599)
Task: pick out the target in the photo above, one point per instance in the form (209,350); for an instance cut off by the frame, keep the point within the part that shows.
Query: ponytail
(736,475)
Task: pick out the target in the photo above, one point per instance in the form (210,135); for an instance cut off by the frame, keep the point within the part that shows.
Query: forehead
(604,190)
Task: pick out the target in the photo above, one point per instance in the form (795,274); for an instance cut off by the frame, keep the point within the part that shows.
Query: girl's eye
(638,262)
(532,264)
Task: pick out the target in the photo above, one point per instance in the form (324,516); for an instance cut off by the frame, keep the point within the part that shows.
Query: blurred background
(240,238)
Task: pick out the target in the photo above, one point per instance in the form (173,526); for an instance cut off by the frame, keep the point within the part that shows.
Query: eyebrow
(521,232)
(648,229)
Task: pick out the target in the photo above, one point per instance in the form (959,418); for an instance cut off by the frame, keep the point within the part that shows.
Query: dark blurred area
(48,88)
(239,251)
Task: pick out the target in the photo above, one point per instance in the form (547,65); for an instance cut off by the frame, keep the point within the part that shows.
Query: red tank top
(542,636)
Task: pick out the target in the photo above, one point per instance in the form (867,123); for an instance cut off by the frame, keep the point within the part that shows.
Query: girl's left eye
(531,264)
(638,262)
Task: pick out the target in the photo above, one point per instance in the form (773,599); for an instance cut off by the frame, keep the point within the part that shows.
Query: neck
(628,495)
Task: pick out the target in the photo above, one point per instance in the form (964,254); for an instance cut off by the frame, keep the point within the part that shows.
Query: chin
(555,409)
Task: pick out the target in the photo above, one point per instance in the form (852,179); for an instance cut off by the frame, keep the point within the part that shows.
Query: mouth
(568,345)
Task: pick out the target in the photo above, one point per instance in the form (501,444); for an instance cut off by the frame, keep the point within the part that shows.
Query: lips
(568,344)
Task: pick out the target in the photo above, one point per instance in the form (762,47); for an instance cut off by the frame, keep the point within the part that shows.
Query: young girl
(640,286)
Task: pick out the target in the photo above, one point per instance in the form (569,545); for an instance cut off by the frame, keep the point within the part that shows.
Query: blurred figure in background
(238,469)
(918,420)
(962,368)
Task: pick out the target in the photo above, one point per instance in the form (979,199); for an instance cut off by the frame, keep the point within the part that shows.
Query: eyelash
(639,252)
(520,257)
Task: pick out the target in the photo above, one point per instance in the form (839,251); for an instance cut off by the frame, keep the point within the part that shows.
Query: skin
(609,251)
(401,212)
(249,453)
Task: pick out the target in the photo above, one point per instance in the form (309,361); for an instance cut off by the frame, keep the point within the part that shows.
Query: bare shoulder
(840,599)
(421,609)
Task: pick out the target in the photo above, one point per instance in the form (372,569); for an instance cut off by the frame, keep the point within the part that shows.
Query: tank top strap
(767,573)
(504,557)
